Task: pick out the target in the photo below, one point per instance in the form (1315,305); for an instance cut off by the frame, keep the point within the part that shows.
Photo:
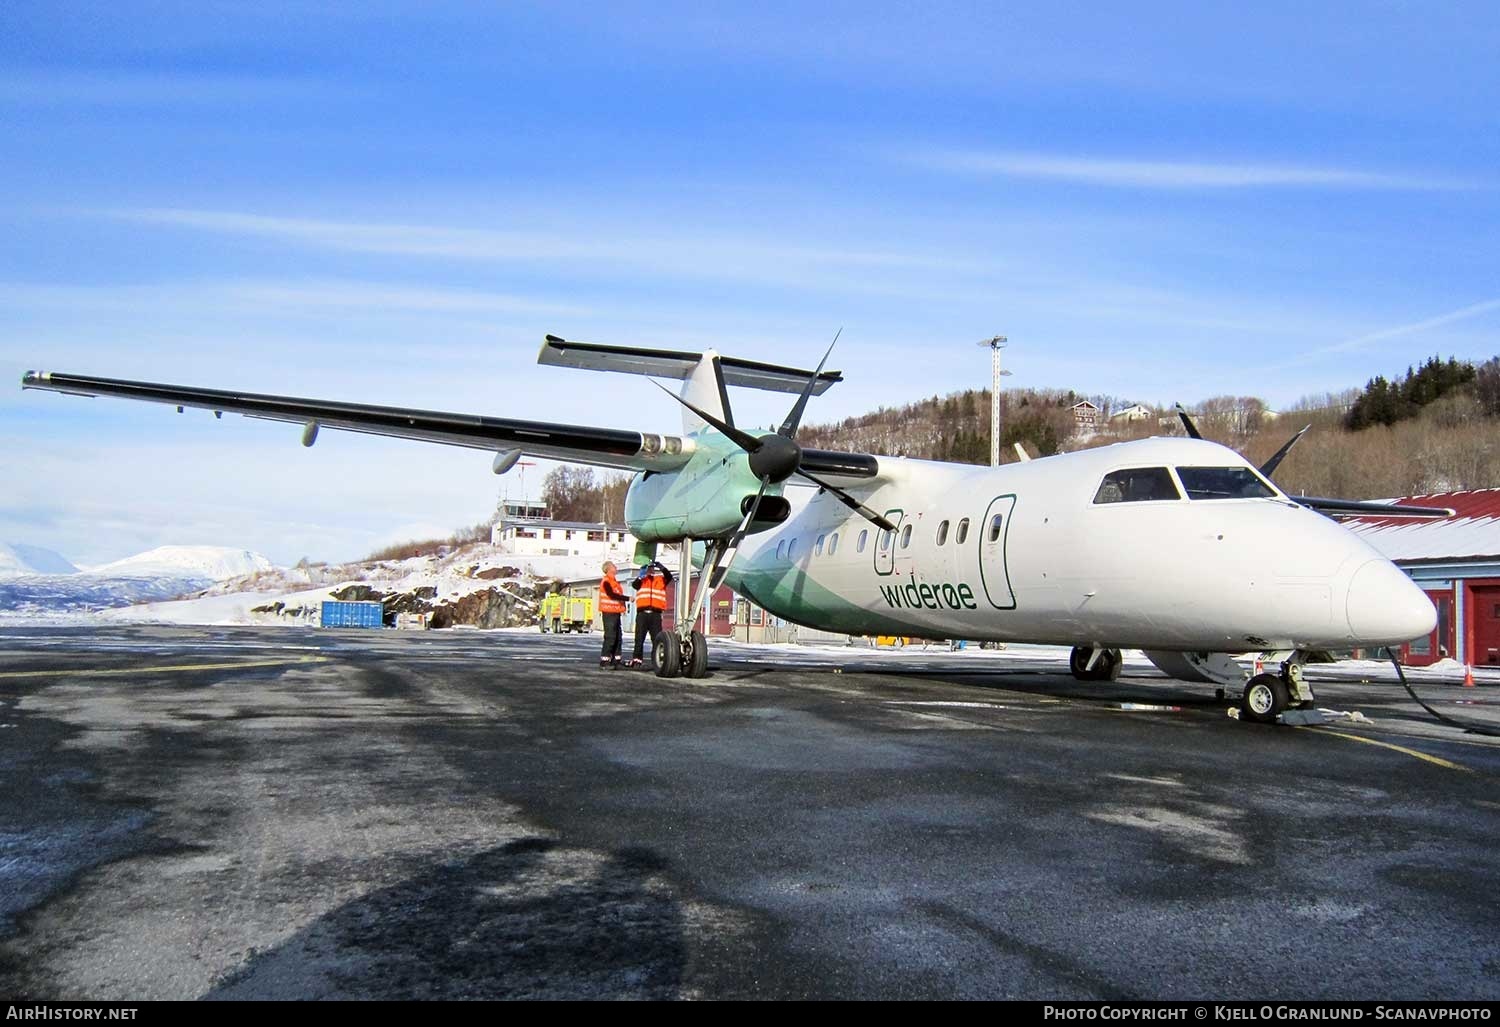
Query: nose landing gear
(1268,695)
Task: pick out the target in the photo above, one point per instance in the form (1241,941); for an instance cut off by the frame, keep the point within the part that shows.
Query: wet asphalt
(247,813)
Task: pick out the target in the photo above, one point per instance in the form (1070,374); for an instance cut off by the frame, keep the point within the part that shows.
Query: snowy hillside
(201,563)
(473,584)
(19,559)
(62,590)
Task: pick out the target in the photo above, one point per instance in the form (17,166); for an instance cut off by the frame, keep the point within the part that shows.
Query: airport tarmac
(283,813)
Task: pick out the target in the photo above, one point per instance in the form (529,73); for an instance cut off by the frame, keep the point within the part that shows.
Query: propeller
(775,458)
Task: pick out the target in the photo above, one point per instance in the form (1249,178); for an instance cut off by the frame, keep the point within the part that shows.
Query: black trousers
(611,650)
(647,625)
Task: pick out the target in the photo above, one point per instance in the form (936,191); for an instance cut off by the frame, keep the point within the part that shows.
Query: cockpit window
(1223,483)
(1137,485)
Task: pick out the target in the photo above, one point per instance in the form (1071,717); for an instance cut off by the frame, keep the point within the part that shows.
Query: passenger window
(885,540)
(781,549)
(818,548)
(942,535)
(1137,485)
(864,536)
(791,550)
(906,536)
(833,544)
(1223,483)
(995,524)
(963,532)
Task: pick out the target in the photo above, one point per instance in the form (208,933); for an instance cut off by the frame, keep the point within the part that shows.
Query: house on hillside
(1086,418)
(1134,412)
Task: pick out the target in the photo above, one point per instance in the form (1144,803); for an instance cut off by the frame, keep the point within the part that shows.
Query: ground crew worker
(611,605)
(650,603)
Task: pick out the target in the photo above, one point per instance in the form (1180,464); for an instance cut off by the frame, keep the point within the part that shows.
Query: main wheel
(666,654)
(1078,662)
(695,660)
(1266,695)
(1106,668)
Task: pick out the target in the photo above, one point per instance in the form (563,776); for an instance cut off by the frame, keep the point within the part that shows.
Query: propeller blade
(1269,467)
(1187,423)
(717,577)
(788,427)
(1356,508)
(749,443)
(852,503)
(723,390)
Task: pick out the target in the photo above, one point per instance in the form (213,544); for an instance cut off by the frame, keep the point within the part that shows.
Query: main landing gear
(1094,664)
(678,656)
(1270,693)
(683,651)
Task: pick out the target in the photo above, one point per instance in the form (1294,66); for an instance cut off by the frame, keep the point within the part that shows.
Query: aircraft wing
(605,447)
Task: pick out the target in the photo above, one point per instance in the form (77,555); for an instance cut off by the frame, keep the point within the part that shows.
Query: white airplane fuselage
(1024,552)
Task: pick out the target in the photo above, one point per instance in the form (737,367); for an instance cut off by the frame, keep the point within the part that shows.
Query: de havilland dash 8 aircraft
(1175,546)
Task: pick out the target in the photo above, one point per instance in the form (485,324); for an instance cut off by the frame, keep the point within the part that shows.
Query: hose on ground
(1471,728)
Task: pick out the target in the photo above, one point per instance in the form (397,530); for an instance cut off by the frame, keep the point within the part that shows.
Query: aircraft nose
(1385,607)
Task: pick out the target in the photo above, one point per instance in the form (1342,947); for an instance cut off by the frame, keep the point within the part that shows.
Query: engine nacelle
(705,499)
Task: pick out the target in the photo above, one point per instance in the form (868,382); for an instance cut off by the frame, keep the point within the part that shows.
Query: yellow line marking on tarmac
(1437,760)
(171,668)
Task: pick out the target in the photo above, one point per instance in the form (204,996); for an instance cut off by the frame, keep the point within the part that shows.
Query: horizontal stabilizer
(665,363)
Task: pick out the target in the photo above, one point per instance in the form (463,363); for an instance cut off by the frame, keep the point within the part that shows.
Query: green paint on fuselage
(790,593)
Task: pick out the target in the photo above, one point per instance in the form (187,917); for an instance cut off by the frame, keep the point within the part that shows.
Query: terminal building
(528,529)
(1456,561)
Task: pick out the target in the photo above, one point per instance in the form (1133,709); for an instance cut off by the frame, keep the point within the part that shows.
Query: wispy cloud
(267,295)
(1398,331)
(128,89)
(741,257)
(1158,174)
(491,244)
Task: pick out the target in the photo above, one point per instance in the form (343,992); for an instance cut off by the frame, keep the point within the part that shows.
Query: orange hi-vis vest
(607,603)
(652,595)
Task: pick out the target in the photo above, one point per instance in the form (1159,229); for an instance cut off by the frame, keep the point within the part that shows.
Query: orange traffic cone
(1468,676)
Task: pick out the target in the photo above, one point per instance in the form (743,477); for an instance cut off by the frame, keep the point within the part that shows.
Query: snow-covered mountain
(163,573)
(17,559)
(209,563)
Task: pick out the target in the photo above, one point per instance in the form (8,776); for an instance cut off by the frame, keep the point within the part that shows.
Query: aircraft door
(993,531)
(884,543)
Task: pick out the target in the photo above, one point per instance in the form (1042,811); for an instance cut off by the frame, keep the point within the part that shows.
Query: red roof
(1473,530)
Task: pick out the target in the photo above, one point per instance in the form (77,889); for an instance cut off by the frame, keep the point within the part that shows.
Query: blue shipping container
(352,615)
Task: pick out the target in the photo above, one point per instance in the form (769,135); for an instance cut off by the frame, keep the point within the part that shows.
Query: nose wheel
(1268,695)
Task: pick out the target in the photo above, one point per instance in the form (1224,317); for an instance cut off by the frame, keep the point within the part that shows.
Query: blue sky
(394,202)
